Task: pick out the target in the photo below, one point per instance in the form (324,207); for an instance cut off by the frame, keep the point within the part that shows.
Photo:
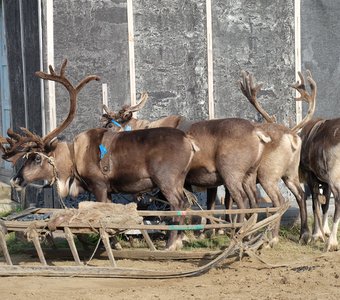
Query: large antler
(305,96)
(144,96)
(17,143)
(250,90)
(73,92)
(125,114)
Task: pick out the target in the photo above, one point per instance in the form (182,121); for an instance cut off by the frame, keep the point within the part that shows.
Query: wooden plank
(106,241)
(85,227)
(210,61)
(3,245)
(35,239)
(149,213)
(23,213)
(134,254)
(131,40)
(70,240)
(148,240)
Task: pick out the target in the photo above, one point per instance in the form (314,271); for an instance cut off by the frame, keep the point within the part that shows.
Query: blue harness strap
(126,128)
(103,151)
(116,123)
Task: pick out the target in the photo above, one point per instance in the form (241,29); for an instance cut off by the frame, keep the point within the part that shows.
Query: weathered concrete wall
(171,64)
(171,56)
(92,35)
(320,42)
(257,36)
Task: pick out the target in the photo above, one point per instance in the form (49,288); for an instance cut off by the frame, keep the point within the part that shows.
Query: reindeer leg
(294,186)
(211,201)
(228,203)
(332,244)
(317,229)
(236,193)
(273,192)
(101,194)
(178,201)
(249,185)
(325,207)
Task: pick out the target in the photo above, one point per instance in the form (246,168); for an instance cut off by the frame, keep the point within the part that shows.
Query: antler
(250,90)
(305,96)
(139,105)
(73,92)
(125,114)
(17,143)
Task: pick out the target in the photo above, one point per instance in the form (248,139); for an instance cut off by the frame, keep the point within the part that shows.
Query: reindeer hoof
(317,237)
(274,241)
(220,232)
(176,245)
(305,238)
(332,247)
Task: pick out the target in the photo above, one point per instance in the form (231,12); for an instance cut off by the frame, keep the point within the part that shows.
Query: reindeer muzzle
(18,183)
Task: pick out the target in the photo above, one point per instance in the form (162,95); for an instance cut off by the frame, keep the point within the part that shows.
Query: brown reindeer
(103,162)
(230,150)
(320,157)
(280,159)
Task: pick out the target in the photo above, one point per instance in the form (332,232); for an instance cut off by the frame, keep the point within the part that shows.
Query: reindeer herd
(129,155)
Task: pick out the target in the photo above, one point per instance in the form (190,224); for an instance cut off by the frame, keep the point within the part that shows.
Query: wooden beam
(297,18)
(210,62)
(131,40)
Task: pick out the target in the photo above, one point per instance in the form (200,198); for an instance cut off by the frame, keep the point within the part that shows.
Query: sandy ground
(310,274)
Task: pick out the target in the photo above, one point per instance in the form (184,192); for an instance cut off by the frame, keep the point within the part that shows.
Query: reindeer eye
(109,125)
(37,158)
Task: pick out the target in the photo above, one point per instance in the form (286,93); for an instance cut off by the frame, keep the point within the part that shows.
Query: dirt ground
(310,274)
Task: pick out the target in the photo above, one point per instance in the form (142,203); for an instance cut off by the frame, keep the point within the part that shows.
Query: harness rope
(51,161)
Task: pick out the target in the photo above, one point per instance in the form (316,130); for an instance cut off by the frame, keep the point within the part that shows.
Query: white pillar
(297,17)
(210,62)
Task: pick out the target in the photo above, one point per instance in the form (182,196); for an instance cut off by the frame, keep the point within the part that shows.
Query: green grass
(16,245)
(7,213)
(213,243)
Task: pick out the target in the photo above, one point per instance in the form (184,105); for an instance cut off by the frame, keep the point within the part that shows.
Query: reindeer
(103,162)
(320,157)
(230,150)
(280,159)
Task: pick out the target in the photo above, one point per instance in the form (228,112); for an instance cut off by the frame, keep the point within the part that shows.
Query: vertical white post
(297,16)
(210,62)
(104,94)
(131,51)
(50,61)
(43,119)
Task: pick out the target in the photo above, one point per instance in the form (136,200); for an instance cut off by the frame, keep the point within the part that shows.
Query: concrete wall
(257,36)
(171,56)
(171,52)
(92,35)
(320,41)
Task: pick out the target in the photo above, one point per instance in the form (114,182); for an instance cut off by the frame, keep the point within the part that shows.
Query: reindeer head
(118,121)
(38,152)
